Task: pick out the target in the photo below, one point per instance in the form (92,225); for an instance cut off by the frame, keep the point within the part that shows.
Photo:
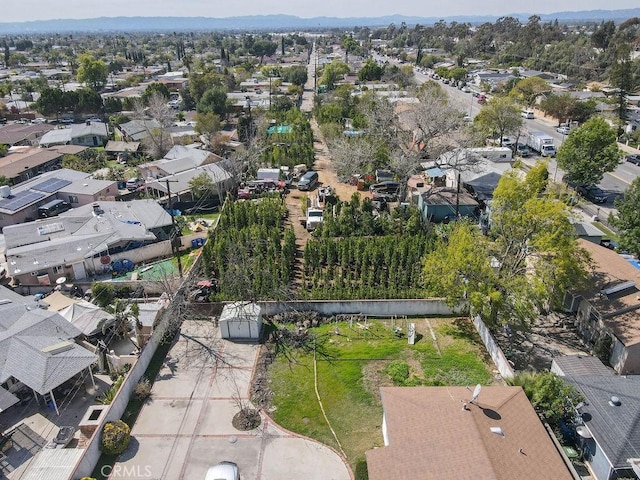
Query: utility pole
(174,249)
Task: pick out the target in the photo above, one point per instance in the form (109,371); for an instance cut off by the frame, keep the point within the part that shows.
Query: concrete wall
(410,307)
(493,348)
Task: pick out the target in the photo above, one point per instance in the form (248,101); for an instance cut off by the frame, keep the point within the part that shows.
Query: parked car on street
(564,130)
(523,150)
(634,158)
(593,193)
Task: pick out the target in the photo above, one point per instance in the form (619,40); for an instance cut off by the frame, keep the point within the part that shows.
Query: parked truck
(316,207)
(541,143)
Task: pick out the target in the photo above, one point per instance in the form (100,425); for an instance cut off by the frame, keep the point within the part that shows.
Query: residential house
(137,130)
(444,204)
(174,80)
(37,348)
(23,163)
(176,160)
(85,316)
(84,241)
(608,419)
(180,183)
(87,191)
(589,232)
(119,148)
(439,433)
(610,307)
(88,134)
(20,203)
(492,78)
(481,188)
(23,134)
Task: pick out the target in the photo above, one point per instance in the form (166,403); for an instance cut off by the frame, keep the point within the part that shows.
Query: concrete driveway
(186,427)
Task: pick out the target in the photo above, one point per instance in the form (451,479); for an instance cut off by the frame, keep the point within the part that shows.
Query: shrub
(398,370)
(115,437)
(143,389)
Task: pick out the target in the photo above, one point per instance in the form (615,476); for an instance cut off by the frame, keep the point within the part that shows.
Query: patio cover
(7,399)
(484,186)
(42,365)
(57,301)
(87,317)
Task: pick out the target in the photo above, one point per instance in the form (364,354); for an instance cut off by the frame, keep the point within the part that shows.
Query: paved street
(186,425)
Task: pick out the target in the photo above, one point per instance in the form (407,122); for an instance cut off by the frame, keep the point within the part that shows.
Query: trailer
(541,143)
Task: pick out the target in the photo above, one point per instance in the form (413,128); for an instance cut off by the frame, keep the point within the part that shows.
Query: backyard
(353,360)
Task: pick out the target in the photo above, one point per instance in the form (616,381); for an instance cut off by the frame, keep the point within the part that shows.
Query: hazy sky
(25,10)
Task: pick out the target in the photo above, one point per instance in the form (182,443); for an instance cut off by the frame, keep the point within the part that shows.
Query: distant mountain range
(280,22)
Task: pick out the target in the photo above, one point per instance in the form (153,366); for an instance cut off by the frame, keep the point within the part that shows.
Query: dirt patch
(295,198)
(374,377)
(535,348)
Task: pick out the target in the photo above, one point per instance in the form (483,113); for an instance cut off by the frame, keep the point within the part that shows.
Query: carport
(241,321)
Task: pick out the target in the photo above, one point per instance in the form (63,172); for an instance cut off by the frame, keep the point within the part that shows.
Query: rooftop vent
(58,347)
(498,431)
(620,287)
(615,401)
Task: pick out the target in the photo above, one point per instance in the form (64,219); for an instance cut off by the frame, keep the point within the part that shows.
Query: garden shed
(241,321)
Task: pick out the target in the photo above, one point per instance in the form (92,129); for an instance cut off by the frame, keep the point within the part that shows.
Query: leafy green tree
(526,263)
(528,89)
(215,101)
(262,48)
(370,71)
(92,72)
(202,186)
(559,106)
(88,101)
(627,219)
(551,396)
(296,75)
(332,72)
(112,105)
(623,79)
(207,123)
(589,152)
(500,117)
(50,102)
(161,88)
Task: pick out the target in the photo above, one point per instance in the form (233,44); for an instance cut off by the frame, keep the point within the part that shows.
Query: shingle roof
(43,371)
(618,312)
(16,133)
(614,428)
(180,181)
(431,436)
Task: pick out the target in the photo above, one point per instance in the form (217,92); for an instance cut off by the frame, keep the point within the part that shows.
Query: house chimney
(97,210)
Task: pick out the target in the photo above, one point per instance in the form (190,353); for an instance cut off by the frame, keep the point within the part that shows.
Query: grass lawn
(352,369)
(610,235)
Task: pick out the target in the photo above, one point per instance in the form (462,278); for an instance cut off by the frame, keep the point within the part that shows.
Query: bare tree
(352,156)
(158,139)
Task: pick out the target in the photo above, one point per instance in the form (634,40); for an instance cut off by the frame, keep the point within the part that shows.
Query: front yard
(353,362)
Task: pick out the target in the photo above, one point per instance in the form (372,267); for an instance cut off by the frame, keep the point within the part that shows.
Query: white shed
(241,321)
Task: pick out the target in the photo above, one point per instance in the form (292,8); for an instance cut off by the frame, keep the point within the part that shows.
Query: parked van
(528,114)
(308,181)
(53,208)
(134,183)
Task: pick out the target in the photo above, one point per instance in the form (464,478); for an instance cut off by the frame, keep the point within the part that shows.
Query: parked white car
(223,471)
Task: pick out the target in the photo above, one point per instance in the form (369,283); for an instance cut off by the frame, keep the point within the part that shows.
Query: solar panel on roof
(20,199)
(52,185)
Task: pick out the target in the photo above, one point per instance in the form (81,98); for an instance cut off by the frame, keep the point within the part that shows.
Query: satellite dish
(61,280)
(476,392)
(583,432)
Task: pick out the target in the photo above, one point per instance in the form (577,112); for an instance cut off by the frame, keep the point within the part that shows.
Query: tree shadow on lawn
(463,329)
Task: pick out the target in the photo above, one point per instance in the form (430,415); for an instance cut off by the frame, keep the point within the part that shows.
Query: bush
(115,437)
(143,389)
(398,370)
